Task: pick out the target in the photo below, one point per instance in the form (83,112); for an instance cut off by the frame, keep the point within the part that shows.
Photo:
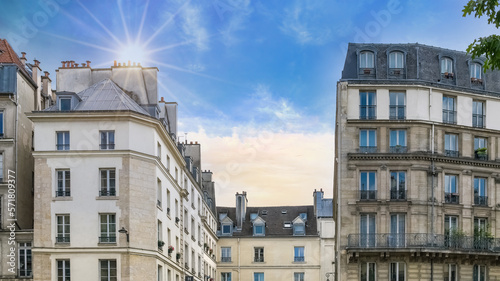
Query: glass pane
(363,138)
(372,138)
(362,98)
(371,180)
(364,181)
(402,138)
(393,138)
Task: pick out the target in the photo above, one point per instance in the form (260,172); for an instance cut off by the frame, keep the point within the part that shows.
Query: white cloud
(193,27)
(234,20)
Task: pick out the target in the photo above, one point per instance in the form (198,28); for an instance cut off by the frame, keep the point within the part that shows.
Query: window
(158,151)
(475,71)
(298,276)
(225,276)
(449,110)
(480,148)
(299,229)
(451,145)
(63,183)
(397,106)
(446,65)
(108,187)
(253,216)
(367,230)
(227,229)
(63,229)
(64,104)
(1,123)
(107,140)
(1,167)
(259,229)
(107,269)
(298,254)
(479,273)
(450,189)
(396,60)
(258,254)
(478,114)
(397,141)
(63,270)
(366,59)
(368,271)
(225,254)
(25,260)
(397,271)
(168,202)
(160,273)
(398,230)
(258,276)
(480,197)
(158,193)
(160,234)
(452,273)
(450,228)
(367,141)
(108,228)
(368,186)
(398,185)
(62,140)
(168,163)
(367,105)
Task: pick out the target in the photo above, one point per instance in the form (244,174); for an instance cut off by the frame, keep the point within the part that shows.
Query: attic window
(263,212)
(299,229)
(65,103)
(303,216)
(253,216)
(283,212)
(259,229)
(287,224)
(222,216)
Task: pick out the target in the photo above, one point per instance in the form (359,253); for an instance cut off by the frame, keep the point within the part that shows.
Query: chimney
(23,58)
(115,63)
(46,73)
(162,100)
(318,199)
(88,63)
(241,209)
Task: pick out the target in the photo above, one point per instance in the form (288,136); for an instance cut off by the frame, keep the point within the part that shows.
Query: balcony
(397,149)
(62,239)
(107,192)
(398,195)
(480,200)
(423,241)
(397,112)
(478,120)
(63,193)
(298,259)
(367,195)
(258,259)
(451,153)
(449,116)
(225,259)
(107,146)
(451,198)
(367,149)
(481,154)
(107,239)
(367,112)
(62,146)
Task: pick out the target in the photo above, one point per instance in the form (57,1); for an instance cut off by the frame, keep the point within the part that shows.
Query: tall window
(160,273)
(108,228)
(158,151)
(452,273)
(25,260)
(367,105)
(397,271)
(298,276)
(451,145)
(398,230)
(63,229)
(107,140)
(450,189)
(479,273)
(64,104)
(478,114)
(475,71)
(225,254)
(1,123)
(298,254)
(168,202)
(258,254)
(480,148)
(368,271)
(366,59)
(446,65)
(63,270)
(450,227)
(367,230)
(449,110)
(225,276)
(108,184)
(258,276)
(396,60)
(1,167)
(397,106)
(368,186)
(480,197)
(158,193)
(62,140)
(398,141)
(63,183)
(368,141)
(108,270)
(398,185)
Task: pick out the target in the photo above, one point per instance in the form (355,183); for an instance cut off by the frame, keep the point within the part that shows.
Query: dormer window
(253,216)
(303,216)
(366,59)
(65,103)
(227,229)
(396,60)
(475,70)
(226,225)
(447,67)
(287,224)
(259,230)
(299,228)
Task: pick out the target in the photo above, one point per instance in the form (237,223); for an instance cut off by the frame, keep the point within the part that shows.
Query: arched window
(446,65)
(366,59)
(396,60)
(475,70)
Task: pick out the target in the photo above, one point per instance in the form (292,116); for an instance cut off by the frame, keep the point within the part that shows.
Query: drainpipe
(239,257)
(433,172)
(338,159)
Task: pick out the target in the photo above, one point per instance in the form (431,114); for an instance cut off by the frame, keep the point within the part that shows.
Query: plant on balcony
(170,249)
(456,238)
(482,237)
(160,244)
(177,220)
(481,151)
(178,256)
(211,251)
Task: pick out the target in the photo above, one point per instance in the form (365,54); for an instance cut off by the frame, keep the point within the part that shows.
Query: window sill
(62,198)
(62,244)
(258,262)
(107,244)
(107,198)
(299,262)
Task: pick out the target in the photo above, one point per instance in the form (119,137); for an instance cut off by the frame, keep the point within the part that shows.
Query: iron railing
(63,193)
(107,192)
(451,153)
(368,149)
(398,149)
(367,112)
(478,120)
(480,156)
(107,239)
(298,259)
(225,259)
(105,146)
(397,112)
(449,116)
(398,194)
(367,195)
(423,240)
(451,198)
(62,146)
(63,239)
(480,200)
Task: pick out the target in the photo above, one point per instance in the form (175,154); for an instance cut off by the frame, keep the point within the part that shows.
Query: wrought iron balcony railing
(63,239)
(398,194)
(451,153)
(397,112)
(398,149)
(451,198)
(423,240)
(449,116)
(478,120)
(63,193)
(480,200)
(107,192)
(107,239)
(225,259)
(367,195)
(368,149)
(105,146)
(368,112)
(480,156)
(298,259)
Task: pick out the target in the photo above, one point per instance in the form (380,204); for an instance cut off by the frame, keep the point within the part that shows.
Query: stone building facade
(417,174)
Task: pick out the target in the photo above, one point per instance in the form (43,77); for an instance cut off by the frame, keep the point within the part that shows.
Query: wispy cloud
(194,28)
(235,21)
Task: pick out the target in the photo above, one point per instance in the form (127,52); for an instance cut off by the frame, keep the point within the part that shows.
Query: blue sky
(255,80)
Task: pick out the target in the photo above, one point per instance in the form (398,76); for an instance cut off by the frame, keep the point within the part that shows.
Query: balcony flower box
(170,249)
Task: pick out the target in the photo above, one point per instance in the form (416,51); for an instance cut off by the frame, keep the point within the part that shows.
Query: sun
(134,53)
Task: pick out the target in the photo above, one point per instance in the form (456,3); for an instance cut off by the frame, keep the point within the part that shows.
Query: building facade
(116,197)
(275,243)
(417,172)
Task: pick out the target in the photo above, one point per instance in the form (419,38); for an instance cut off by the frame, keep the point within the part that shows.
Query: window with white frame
(258,276)
(259,229)
(446,65)
(1,168)
(397,106)
(478,114)
(107,139)
(298,276)
(480,194)
(1,124)
(64,103)
(367,227)
(449,110)
(479,273)
(481,147)
(397,141)
(367,271)
(63,229)
(62,139)
(225,254)
(225,276)
(258,254)
(452,272)
(108,182)
(451,145)
(158,193)
(367,105)
(397,272)
(368,185)
(63,183)
(298,254)
(25,262)
(108,228)
(366,59)
(451,189)
(108,270)
(367,141)
(299,229)
(476,70)
(398,185)
(63,270)
(396,59)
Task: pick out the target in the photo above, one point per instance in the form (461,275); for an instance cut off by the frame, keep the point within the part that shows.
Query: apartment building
(22,90)
(116,196)
(417,165)
(293,243)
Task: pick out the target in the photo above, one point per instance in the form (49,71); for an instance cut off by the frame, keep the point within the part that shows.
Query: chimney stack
(88,63)
(241,208)
(23,58)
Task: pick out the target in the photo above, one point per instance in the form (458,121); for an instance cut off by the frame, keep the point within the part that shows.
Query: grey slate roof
(105,96)
(274,220)
(422,66)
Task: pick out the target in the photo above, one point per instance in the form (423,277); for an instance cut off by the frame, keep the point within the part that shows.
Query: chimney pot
(36,62)
(83,65)
(128,63)
(162,99)
(133,64)
(119,64)
(88,63)
(191,143)
(196,142)
(76,64)
(46,73)
(138,64)
(23,55)
(115,63)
